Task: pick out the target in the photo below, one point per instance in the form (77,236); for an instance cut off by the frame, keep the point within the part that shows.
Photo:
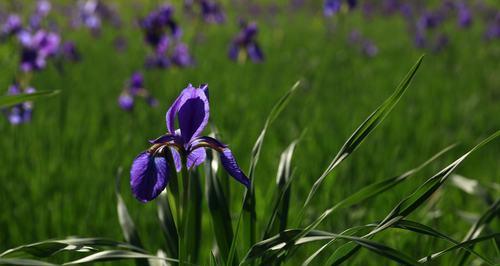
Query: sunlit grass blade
(463,244)
(20,98)
(50,247)
(218,207)
(278,214)
(417,198)
(113,255)
(478,227)
(277,242)
(249,215)
(369,191)
(365,128)
(127,224)
(25,262)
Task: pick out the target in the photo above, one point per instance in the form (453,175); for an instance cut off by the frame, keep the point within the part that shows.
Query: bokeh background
(58,172)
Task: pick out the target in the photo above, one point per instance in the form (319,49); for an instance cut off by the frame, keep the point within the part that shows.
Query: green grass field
(58,172)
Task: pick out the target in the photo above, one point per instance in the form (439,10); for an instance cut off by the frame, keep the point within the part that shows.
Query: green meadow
(58,172)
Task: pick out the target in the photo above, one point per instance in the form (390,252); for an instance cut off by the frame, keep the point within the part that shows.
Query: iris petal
(148,176)
(226,157)
(229,162)
(196,157)
(192,110)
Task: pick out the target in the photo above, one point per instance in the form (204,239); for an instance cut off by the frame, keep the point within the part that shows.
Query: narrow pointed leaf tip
(371,122)
(9,100)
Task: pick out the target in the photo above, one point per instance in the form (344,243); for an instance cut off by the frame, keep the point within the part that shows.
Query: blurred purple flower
(369,48)
(212,11)
(135,88)
(37,48)
(156,24)
(464,16)
(69,51)
(331,7)
(149,173)
(12,25)
(20,113)
(181,56)
(246,41)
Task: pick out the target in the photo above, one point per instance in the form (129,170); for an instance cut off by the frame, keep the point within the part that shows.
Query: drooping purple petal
(192,110)
(229,162)
(148,176)
(196,157)
(226,157)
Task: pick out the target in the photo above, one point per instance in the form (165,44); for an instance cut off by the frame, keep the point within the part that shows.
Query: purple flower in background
(331,7)
(181,56)
(429,20)
(43,7)
(369,48)
(126,101)
(156,24)
(493,29)
(37,48)
(135,88)
(246,41)
(20,113)
(212,11)
(12,25)
(464,16)
(149,174)
(69,51)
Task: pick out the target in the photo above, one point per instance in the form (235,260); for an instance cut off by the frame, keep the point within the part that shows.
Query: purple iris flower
(464,16)
(493,29)
(69,51)
(156,23)
(12,25)
(37,48)
(246,41)
(181,56)
(212,12)
(331,7)
(149,174)
(20,113)
(135,88)
(369,48)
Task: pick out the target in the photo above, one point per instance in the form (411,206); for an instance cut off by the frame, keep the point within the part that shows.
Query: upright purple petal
(192,110)
(148,176)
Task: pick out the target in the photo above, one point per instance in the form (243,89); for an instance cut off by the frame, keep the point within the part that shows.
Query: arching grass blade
(365,128)
(9,100)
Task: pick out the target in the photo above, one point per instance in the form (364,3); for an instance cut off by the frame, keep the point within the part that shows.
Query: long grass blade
(25,262)
(249,214)
(112,255)
(218,207)
(477,228)
(9,100)
(463,244)
(416,199)
(51,247)
(373,120)
(367,192)
(278,216)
